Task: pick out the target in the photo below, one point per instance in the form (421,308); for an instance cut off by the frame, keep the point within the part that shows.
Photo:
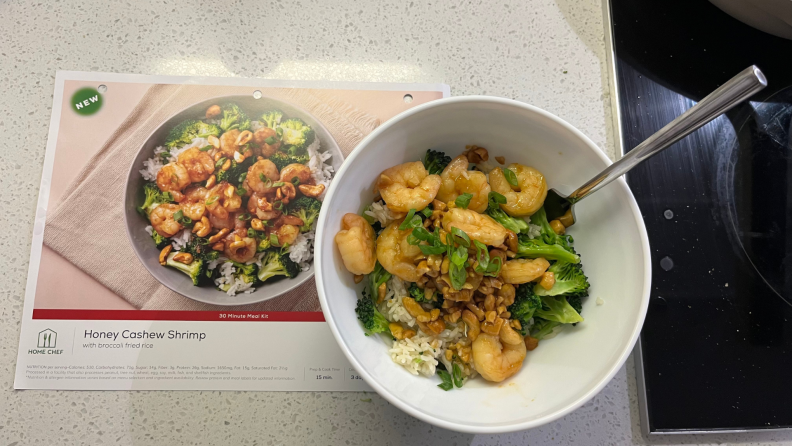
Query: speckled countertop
(550,53)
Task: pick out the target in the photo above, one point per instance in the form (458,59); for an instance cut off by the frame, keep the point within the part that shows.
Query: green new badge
(86,101)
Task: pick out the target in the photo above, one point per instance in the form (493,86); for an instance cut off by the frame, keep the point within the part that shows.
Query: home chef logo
(47,341)
(86,101)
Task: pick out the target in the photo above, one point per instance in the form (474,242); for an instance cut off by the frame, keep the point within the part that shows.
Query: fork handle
(736,90)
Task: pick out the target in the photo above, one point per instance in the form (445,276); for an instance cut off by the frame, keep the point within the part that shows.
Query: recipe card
(173,239)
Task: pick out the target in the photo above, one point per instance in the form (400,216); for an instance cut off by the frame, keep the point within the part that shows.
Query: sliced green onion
(447,383)
(511,178)
(427,212)
(278,184)
(206,148)
(220,162)
(406,223)
(457,375)
(460,237)
(212,200)
(463,201)
(274,240)
(295,181)
(458,275)
(241,191)
(496,198)
(271,140)
(244,217)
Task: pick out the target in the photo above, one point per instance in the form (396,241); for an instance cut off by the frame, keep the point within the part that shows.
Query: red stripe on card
(157,315)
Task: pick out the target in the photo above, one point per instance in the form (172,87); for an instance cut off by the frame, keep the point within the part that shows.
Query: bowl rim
(334,148)
(619,183)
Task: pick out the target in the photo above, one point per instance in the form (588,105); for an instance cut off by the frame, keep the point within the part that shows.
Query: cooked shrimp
(261,175)
(262,208)
(200,166)
(458,180)
(525,198)
(260,137)
(172,177)
(408,186)
(222,199)
(396,255)
(523,270)
(228,142)
(287,234)
(498,357)
(162,219)
(477,226)
(355,241)
(240,249)
(194,205)
(229,222)
(299,171)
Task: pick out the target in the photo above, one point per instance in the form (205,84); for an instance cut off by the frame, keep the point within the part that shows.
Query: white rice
(381,213)
(301,252)
(235,285)
(219,260)
(255,125)
(418,354)
(322,171)
(180,240)
(534,230)
(149,230)
(392,307)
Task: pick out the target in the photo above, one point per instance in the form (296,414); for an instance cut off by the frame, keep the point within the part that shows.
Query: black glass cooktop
(717,342)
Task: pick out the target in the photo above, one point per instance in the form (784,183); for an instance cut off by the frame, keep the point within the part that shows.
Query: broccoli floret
(526,302)
(194,269)
(547,234)
(576,302)
(241,271)
(297,133)
(237,172)
(154,198)
(276,264)
(283,159)
(569,281)
(417,293)
(543,327)
(264,244)
(159,240)
(233,118)
(271,118)
(533,248)
(307,210)
(514,224)
(198,268)
(435,161)
(188,130)
(373,321)
(556,308)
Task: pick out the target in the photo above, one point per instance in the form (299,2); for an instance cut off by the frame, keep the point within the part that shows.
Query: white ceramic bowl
(564,372)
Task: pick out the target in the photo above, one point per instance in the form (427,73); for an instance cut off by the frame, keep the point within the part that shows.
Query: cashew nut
(183,257)
(216,238)
(213,112)
(163,257)
(256,224)
(202,227)
(211,182)
(244,138)
(311,191)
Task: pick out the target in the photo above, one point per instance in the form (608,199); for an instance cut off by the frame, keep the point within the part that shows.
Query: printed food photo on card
(189,200)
